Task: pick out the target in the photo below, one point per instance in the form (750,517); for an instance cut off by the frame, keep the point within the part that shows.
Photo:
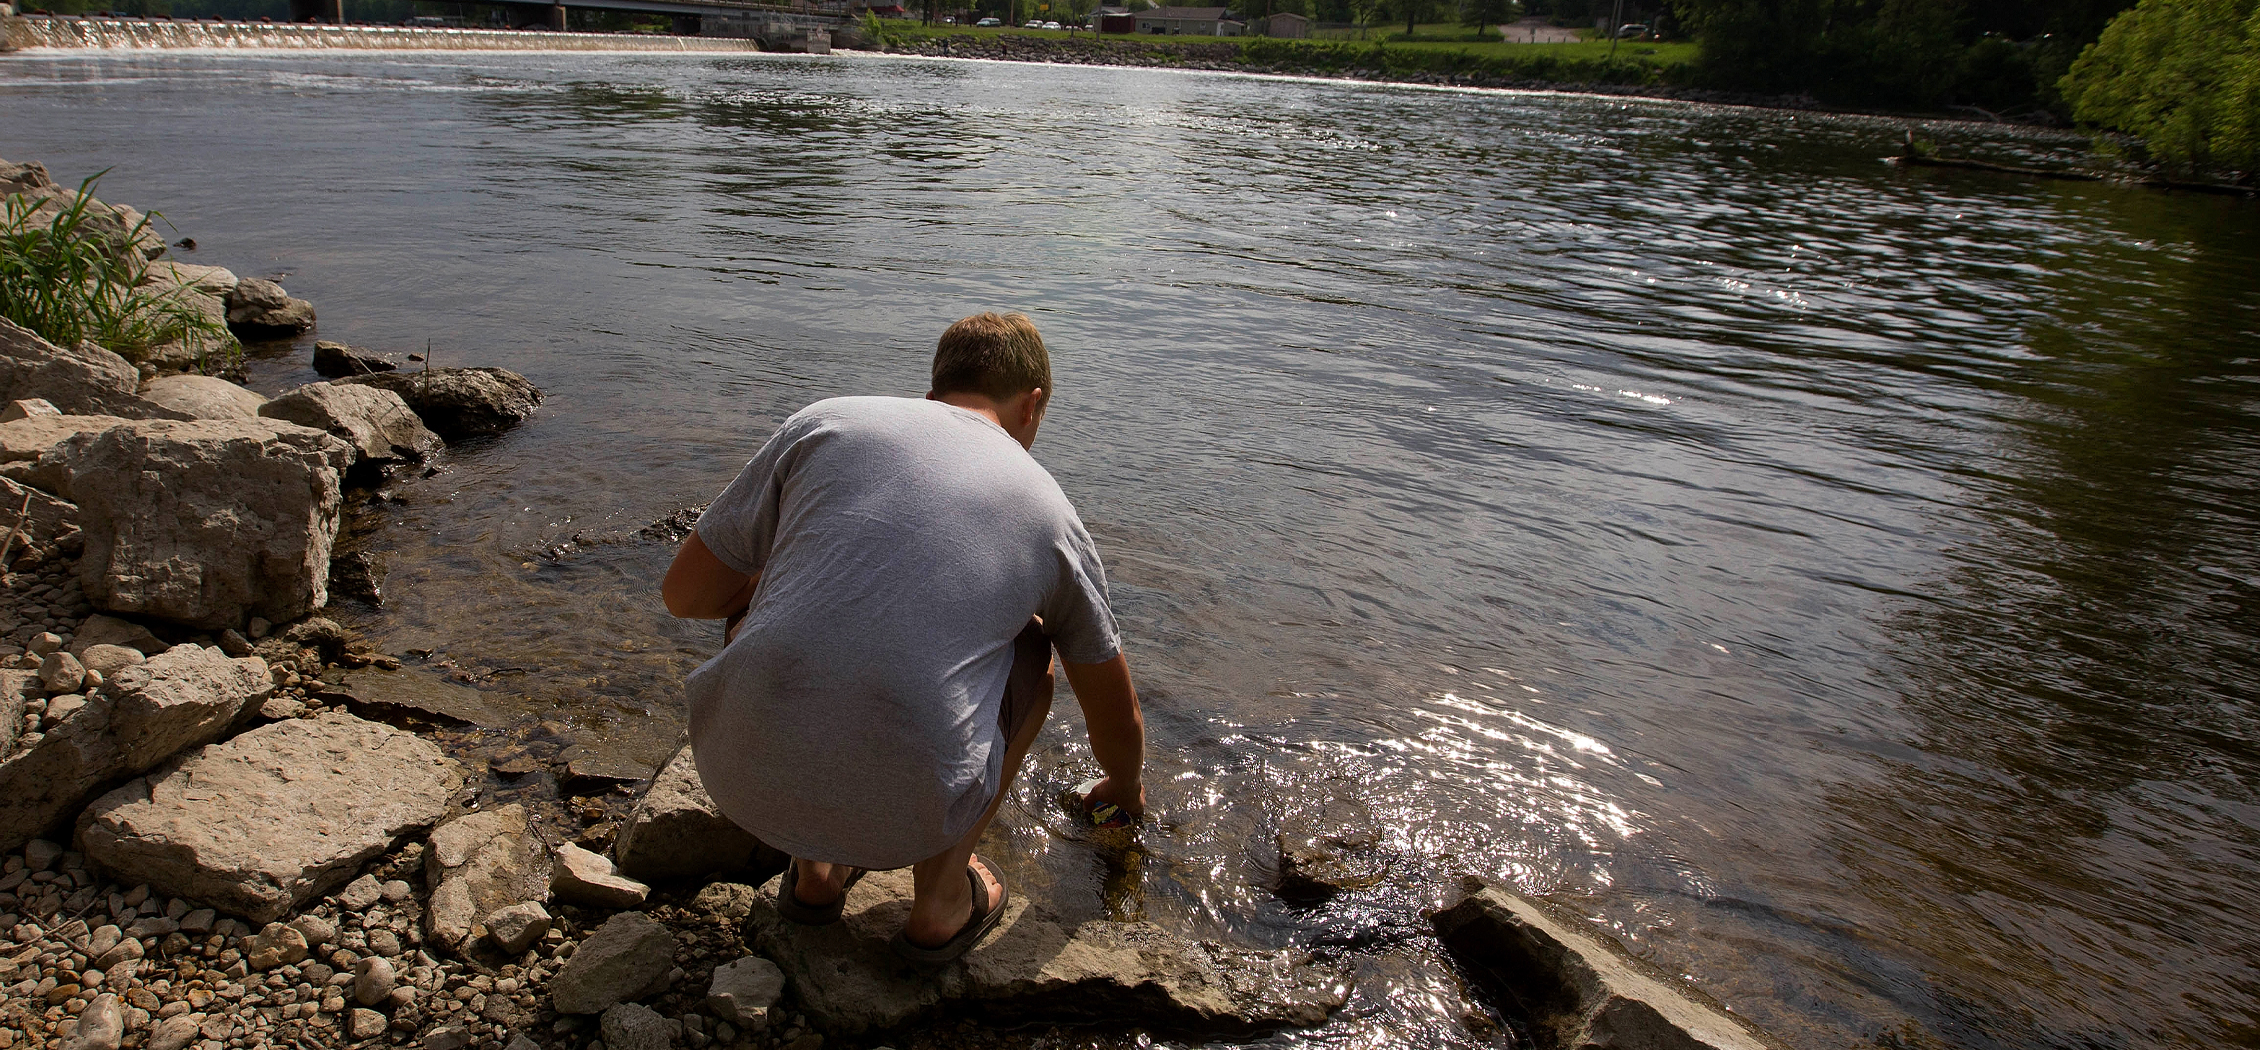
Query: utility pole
(1616,20)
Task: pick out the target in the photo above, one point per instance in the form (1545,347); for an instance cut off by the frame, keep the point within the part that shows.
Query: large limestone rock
(675,830)
(205,523)
(480,864)
(1577,988)
(84,380)
(210,280)
(203,397)
(377,423)
(460,402)
(1035,964)
(626,959)
(181,699)
(261,308)
(273,818)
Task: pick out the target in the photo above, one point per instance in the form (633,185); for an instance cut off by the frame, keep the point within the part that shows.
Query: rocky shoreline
(229,824)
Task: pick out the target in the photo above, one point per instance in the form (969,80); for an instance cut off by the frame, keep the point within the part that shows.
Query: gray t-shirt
(902,545)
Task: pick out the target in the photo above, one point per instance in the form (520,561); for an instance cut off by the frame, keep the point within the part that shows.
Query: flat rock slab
(1576,988)
(413,694)
(273,818)
(1036,966)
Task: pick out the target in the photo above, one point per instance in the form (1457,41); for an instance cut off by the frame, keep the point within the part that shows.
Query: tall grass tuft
(69,279)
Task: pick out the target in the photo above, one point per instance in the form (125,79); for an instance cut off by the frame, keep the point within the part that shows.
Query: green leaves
(2183,76)
(75,272)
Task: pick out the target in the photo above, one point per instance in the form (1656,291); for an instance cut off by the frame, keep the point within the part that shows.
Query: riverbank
(60,31)
(197,857)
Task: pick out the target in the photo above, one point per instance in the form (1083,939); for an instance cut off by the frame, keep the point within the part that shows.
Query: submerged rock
(1035,964)
(336,360)
(1577,988)
(273,818)
(460,402)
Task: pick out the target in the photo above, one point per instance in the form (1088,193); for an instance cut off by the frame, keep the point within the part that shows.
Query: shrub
(70,279)
(2182,76)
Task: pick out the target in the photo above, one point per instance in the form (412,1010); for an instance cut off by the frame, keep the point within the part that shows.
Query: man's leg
(1028,699)
(944,901)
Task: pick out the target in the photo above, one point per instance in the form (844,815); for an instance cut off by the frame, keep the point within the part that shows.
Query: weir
(77,32)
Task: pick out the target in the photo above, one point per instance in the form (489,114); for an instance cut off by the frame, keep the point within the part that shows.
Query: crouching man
(896,573)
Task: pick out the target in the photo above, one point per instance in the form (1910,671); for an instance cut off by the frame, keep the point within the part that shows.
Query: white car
(1051,25)
(990,22)
(1032,24)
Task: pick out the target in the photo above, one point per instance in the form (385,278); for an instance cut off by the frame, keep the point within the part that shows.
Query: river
(1840,582)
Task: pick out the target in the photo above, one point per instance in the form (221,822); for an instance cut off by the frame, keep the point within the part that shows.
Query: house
(1114,18)
(1284,25)
(1189,21)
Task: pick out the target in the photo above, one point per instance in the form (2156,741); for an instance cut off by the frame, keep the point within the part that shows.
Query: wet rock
(376,422)
(590,769)
(357,575)
(743,991)
(1328,847)
(273,818)
(1036,964)
(101,1026)
(416,695)
(205,523)
(274,945)
(460,402)
(261,308)
(581,877)
(479,864)
(109,630)
(1577,988)
(627,1026)
(336,360)
(84,380)
(515,928)
(203,397)
(675,830)
(149,712)
(630,957)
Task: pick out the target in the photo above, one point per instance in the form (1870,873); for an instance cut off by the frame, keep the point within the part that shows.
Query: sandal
(789,903)
(986,914)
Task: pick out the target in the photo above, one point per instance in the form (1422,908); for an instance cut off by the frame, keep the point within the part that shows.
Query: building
(1284,25)
(1189,21)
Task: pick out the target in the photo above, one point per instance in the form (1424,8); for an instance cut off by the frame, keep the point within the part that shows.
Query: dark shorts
(1028,689)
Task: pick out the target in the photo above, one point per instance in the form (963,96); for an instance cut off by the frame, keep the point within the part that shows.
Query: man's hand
(1118,730)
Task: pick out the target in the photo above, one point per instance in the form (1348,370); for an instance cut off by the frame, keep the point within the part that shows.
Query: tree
(1483,14)
(2183,76)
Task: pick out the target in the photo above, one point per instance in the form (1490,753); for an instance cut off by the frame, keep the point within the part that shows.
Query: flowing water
(1841,582)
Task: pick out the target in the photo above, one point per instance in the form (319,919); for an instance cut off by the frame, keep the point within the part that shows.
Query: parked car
(1051,25)
(990,22)
(1631,31)
(1033,23)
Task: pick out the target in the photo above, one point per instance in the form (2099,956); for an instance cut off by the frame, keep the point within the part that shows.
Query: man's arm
(699,587)
(1118,730)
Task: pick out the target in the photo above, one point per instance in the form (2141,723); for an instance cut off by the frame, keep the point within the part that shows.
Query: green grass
(75,277)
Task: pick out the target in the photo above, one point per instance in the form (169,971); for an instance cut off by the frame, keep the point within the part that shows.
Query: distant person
(895,574)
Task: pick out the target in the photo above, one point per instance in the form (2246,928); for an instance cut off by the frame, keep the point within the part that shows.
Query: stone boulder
(274,818)
(210,280)
(1036,964)
(205,523)
(29,177)
(742,992)
(479,864)
(203,397)
(109,630)
(25,408)
(194,350)
(377,423)
(1576,987)
(124,231)
(631,1026)
(1328,845)
(84,380)
(261,308)
(460,402)
(676,831)
(626,959)
(150,711)
(337,360)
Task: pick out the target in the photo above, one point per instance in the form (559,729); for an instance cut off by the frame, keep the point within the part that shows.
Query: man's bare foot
(933,923)
(820,884)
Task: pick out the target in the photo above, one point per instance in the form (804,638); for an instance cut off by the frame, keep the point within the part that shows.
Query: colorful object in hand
(1101,814)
